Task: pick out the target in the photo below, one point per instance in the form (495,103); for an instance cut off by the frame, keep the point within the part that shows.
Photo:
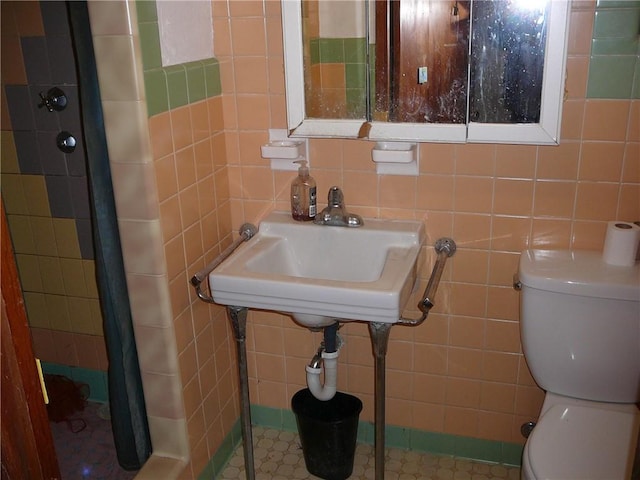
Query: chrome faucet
(335,213)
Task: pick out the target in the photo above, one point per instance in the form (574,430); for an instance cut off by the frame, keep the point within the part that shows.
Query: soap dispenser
(303,194)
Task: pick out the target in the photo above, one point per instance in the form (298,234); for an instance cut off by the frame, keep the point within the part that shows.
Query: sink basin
(320,273)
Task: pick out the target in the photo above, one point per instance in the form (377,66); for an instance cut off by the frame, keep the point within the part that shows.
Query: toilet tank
(580,324)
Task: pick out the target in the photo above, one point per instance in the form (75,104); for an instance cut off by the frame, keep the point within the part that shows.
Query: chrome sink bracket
(247,231)
(238,317)
(380,339)
(445,248)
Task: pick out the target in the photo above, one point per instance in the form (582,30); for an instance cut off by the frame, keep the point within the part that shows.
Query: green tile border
(177,85)
(355,50)
(398,437)
(614,46)
(146,10)
(611,76)
(355,74)
(618,21)
(614,62)
(350,52)
(338,50)
(617,3)
(155,84)
(331,50)
(96,379)
(212,78)
(635,92)
(149,40)
(222,456)
(356,106)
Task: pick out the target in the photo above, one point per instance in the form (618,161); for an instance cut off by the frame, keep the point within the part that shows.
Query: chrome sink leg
(238,317)
(380,339)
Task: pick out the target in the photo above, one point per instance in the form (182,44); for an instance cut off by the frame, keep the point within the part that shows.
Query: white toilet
(580,324)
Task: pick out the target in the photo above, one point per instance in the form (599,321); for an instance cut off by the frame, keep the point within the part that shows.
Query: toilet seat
(578,442)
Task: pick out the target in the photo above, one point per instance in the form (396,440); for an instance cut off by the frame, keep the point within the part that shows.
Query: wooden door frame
(401,47)
(27,444)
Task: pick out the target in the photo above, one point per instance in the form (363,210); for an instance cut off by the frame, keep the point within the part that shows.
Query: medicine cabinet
(426,70)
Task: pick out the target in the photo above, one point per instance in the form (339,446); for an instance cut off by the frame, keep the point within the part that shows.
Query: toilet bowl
(574,439)
(580,329)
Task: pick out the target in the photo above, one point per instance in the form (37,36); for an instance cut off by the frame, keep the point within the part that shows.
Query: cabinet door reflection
(428,57)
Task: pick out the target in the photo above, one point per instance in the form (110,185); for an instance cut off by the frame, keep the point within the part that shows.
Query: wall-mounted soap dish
(396,158)
(283,151)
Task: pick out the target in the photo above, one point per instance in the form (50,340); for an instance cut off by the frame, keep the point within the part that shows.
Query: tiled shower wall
(45,191)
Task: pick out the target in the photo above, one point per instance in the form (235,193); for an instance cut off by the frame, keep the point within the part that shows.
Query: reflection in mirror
(421,60)
(421,66)
(507,60)
(426,70)
(334,56)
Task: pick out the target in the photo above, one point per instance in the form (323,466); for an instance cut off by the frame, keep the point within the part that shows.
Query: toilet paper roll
(621,243)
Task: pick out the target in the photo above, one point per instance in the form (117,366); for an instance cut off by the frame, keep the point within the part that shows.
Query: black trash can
(328,432)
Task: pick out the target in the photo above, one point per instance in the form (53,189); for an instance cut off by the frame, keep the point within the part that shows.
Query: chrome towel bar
(247,231)
(445,248)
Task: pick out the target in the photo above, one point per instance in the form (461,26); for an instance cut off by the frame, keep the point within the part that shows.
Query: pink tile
(65,346)
(43,345)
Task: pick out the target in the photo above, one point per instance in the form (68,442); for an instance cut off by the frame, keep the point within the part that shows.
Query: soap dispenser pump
(303,194)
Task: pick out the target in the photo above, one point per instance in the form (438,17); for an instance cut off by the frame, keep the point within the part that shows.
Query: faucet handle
(335,198)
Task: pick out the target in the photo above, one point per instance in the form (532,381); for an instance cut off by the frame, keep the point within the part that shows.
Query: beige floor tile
(278,456)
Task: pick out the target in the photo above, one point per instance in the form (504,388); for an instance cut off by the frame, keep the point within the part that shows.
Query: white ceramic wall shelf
(396,158)
(283,151)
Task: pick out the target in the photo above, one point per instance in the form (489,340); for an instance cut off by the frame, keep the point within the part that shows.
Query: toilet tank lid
(578,272)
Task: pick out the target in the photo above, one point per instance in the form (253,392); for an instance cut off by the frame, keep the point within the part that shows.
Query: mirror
(424,45)
(426,70)
(507,61)
(335,58)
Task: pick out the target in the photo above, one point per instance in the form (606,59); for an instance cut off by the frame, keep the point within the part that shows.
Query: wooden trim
(28,450)
(382,59)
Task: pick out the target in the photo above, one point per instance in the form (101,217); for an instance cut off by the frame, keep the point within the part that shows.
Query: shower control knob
(66,142)
(54,100)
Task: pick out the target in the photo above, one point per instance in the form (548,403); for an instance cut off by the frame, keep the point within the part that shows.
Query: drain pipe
(327,358)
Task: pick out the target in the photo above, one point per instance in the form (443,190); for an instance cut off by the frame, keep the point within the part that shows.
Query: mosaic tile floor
(88,454)
(278,456)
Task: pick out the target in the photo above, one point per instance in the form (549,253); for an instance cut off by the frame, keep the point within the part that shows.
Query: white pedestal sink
(320,273)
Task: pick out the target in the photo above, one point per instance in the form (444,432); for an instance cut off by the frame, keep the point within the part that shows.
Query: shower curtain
(128,413)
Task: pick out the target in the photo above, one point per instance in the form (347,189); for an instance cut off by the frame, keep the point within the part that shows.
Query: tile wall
(187,179)
(45,191)
(615,52)
(462,372)
(167,152)
(337,77)
(334,71)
